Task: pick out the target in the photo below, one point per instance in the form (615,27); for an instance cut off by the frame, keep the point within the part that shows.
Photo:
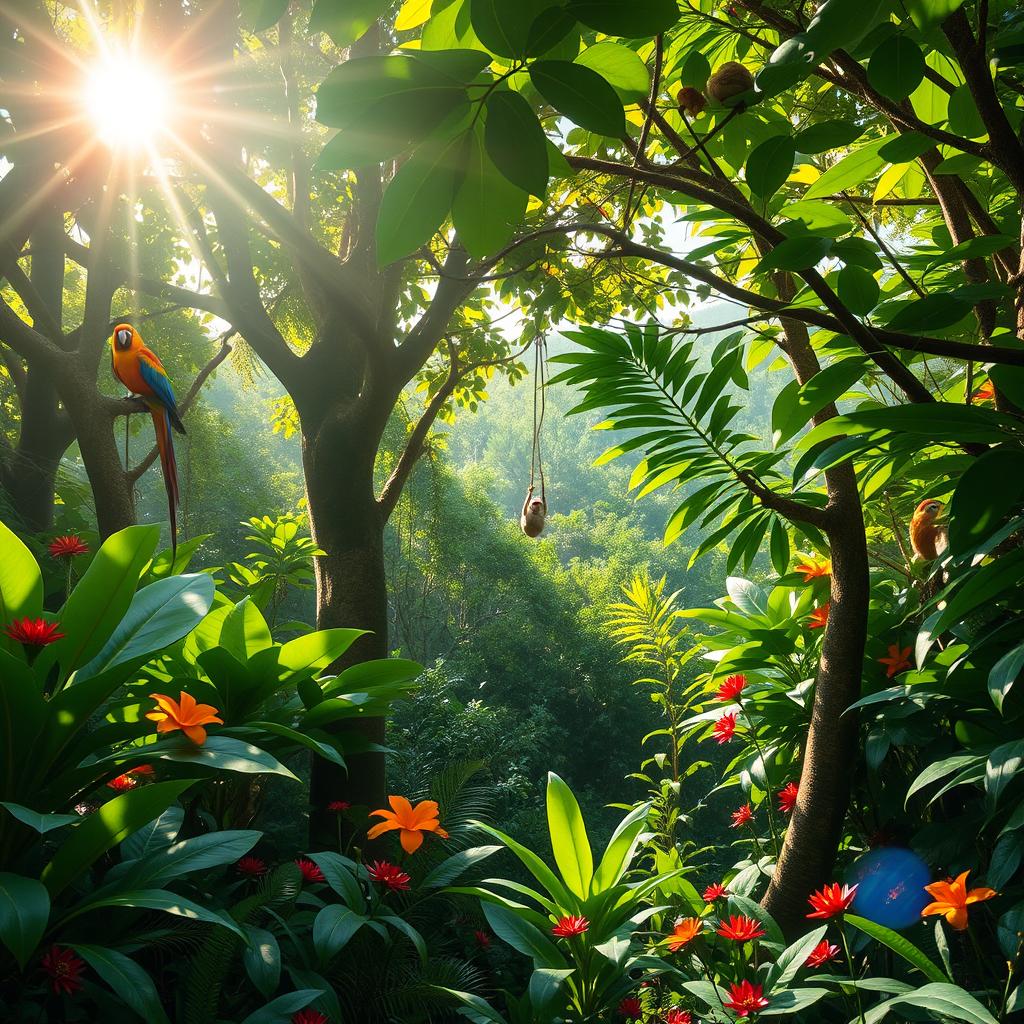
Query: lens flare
(127,101)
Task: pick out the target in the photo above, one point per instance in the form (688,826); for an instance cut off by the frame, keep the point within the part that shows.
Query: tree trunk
(351,592)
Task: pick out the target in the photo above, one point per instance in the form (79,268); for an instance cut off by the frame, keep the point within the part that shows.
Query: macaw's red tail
(164,444)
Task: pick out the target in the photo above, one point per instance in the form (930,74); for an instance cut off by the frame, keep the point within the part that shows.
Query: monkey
(691,101)
(534,511)
(729,81)
(926,538)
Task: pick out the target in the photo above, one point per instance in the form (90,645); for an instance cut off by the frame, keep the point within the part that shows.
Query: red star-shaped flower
(34,632)
(897,661)
(832,900)
(715,891)
(741,816)
(740,928)
(725,728)
(746,999)
(391,876)
(631,1008)
(731,688)
(569,926)
(812,568)
(123,783)
(818,618)
(677,1016)
(823,953)
(482,939)
(250,866)
(338,806)
(68,546)
(310,871)
(787,797)
(64,970)
(309,1016)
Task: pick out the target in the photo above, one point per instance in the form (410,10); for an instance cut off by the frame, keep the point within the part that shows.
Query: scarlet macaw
(142,373)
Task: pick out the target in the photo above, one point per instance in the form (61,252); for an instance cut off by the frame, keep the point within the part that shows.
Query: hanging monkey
(534,511)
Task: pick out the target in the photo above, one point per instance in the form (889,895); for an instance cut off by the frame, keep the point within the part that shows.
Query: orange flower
(897,661)
(413,822)
(986,393)
(952,899)
(811,567)
(184,714)
(685,931)
(819,617)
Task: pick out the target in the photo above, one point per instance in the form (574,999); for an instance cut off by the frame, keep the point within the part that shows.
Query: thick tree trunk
(351,592)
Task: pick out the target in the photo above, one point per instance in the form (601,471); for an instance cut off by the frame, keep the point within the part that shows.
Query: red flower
(483,940)
(746,999)
(740,928)
(250,866)
(787,797)
(68,546)
(34,632)
(569,926)
(715,891)
(310,871)
(685,931)
(819,617)
(123,783)
(309,1017)
(832,900)
(631,1008)
(731,688)
(822,953)
(986,393)
(389,875)
(677,1016)
(811,568)
(741,816)
(897,661)
(64,969)
(338,806)
(143,769)
(725,728)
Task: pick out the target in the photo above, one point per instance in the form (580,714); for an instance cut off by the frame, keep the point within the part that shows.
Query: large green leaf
(502,27)
(102,597)
(154,835)
(22,714)
(200,853)
(792,958)
(620,849)
(42,823)
(333,927)
(317,650)
(487,206)
(569,842)
(340,873)
(159,615)
(225,754)
(634,19)
(896,67)
(796,253)
(986,584)
(581,94)
(449,870)
(244,631)
(280,1010)
(620,67)
(854,169)
(24,912)
(261,959)
(522,936)
(516,142)
(259,15)
(794,407)
(770,164)
(991,486)
(345,20)
(418,198)
(159,899)
(133,986)
(106,827)
(21,584)
(950,1002)
(1004,674)
(929,13)
(899,945)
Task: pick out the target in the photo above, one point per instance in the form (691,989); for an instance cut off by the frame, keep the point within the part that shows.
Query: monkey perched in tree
(928,538)
(729,81)
(534,511)
(691,101)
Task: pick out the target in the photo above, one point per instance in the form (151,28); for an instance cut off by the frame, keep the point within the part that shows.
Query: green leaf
(990,488)
(896,67)
(200,853)
(1003,675)
(516,142)
(245,632)
(449,870)
(620,67)
(1002,766)
(853,169)
(259,15)
(42,823)
(316,651)
(792,1001)
(487,206)
(332,929)
(818,218)
(106,827)
(858,289)
(932,313)
(280,1010)
(900,946)
(133,986)
(225,754)
(569,842)
(927,14)
(785,968)
(340,874)
(948,1001)
(826,135)
(620,850)
(633,20)
(103,595)
(985,585)
(345,21)
(155,835)
(502,27)
(905,147)
(797,253)
(21,584)
(24,912)
(418,198)
(770,164)
(794,408)
(261,959)
(160,899)
(522,935)
(158,616)
(581,94)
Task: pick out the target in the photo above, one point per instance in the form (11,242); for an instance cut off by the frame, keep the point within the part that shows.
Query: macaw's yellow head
(125,338)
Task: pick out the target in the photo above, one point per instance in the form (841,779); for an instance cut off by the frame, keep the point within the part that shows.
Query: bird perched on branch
(927,537)
(142,373)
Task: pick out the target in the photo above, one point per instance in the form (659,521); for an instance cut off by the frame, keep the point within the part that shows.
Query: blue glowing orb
(890,887)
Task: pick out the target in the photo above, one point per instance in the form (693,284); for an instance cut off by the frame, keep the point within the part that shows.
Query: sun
(127,101)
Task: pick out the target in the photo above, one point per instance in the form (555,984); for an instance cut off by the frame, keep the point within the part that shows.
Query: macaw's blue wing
(162,391)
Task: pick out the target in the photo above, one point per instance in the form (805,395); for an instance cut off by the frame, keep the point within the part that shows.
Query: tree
(934,133)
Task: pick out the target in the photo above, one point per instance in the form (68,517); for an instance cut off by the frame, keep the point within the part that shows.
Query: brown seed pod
(691,101)
(730,80)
